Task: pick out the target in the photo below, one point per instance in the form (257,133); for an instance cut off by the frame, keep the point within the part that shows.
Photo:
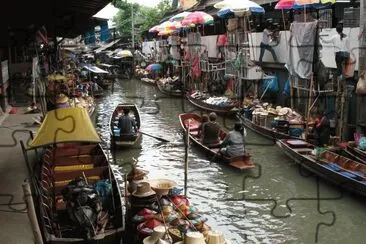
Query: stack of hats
(143,196)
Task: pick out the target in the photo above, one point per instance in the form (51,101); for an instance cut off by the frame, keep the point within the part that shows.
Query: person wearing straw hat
(62,101)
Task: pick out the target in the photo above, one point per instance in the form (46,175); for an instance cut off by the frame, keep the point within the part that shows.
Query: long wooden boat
(355,152)
(264,131)
(342,171)
(70,178)
(173,93)
(148,81)
(192,121)
(227,110)
(121,140)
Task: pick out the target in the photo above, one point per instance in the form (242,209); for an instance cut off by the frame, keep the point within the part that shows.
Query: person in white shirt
(341,48)
(265,44)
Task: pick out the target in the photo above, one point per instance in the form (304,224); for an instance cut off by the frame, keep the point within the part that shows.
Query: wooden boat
(192,121)
(174,93)
(262,130)
(355,152)
(125,140)
(148,81)
(227,110)
(74,154)
(330,166)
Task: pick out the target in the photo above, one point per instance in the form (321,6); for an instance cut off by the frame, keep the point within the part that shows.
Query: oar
(156,137)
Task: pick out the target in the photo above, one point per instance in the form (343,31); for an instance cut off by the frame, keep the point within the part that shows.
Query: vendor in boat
(126,123)
(211,131)
(321,130)
(233,144)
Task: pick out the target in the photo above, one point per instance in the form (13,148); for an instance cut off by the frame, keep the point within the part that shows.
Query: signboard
(186,4)
(4,71)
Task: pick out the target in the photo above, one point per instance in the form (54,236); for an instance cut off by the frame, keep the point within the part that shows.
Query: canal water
(276,202)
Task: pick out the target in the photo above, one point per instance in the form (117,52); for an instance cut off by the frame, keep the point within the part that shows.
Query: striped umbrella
(300,4)
(154,29)
(197,17)
(180,16)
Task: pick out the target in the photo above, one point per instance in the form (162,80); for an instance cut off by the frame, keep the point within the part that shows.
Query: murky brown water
(249,207)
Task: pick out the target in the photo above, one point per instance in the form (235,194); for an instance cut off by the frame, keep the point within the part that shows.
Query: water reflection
(220,192)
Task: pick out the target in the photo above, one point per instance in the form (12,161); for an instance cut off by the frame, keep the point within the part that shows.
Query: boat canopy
(94,69)
(63,125)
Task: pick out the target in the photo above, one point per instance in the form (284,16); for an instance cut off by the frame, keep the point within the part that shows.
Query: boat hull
(65,161)
(263,131)
(318,168)
(167,92)
(226,111)
(241,162)
(127,140)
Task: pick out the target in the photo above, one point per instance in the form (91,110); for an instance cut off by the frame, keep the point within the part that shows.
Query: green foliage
(144,17)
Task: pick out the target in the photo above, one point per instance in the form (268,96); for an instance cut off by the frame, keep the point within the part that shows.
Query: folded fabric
(333,166)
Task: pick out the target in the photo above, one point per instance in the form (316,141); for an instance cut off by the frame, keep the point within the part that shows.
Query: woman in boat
(234,142)
(211,131)
(126,123)
(204,120)
(321,130)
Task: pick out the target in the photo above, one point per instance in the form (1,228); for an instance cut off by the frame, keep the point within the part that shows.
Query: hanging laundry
(196,69)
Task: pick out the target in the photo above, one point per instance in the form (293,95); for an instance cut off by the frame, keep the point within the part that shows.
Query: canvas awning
(106,46)
(94,69)
(65,125)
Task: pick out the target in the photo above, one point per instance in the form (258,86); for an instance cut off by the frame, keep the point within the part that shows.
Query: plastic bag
(271,83)
(361,84)
(362,144)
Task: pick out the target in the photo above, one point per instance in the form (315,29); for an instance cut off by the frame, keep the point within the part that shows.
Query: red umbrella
(197,17)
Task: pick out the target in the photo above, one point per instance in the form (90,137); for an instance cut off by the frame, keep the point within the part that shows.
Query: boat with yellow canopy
(76,193)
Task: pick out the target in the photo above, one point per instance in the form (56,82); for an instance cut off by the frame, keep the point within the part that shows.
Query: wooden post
(291,92)
(186,160)
(32,213)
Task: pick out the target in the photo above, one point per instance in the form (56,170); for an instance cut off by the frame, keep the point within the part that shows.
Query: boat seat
(303,150)
(334,167)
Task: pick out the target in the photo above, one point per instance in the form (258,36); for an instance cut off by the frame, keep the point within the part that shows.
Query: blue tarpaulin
(105,34)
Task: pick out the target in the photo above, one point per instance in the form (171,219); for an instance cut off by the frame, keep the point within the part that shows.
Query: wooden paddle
(156,137)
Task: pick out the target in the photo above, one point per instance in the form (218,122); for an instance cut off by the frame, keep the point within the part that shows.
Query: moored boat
(76,194)
(148,81)
(269,133)
(170,92)
(192,121)
(228,110)
(355,152)
(125,140)
(342,171)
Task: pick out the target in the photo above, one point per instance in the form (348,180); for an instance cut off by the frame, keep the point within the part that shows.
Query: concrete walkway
(15,227)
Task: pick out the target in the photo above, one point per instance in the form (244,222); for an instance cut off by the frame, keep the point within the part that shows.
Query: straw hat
(284,111)
(143,190)
(158,233)
(136,174)
(62,98)
(162,186)
(272,111)
(216,237)
(194,238)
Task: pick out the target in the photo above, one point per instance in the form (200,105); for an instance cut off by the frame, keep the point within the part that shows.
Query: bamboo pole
(309,105)
(32,213)
(186,160)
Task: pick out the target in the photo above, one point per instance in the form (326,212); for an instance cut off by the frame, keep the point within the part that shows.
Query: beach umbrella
(300,4)
(180,16)
(169,25)
(167,32)
(154,67)
(154,29)
(124,53)
(235,6)
(197,17)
